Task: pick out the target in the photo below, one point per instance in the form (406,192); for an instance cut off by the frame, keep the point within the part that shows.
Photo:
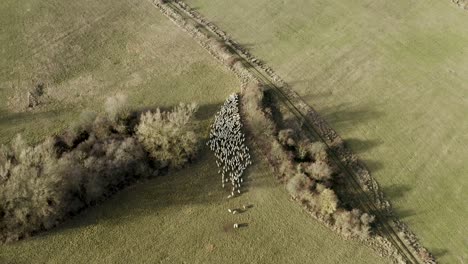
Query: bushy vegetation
(286,137)
(42,185)
(117,107)
(253,108)
(353,223)
(461,3)
(168,136)
(298,184)
(318,170)
(313,186)
(303,166)
(328,202)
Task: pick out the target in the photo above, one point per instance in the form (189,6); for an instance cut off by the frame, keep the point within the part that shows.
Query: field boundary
(247,67)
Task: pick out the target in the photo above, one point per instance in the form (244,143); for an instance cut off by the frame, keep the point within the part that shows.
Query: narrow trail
(364,201)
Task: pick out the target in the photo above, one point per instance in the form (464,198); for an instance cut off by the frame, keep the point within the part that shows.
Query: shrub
(109,164)
(328,202)
(286,137)
(318,150)
(116,107)
(353,223)
(300,182)
(318,170)
(102,126)
(252,99)
(169,136)
(315,151)
(222,50)
(26,194)
(279,154)
(320,187)
(286,169)
(311,200)
(302,151)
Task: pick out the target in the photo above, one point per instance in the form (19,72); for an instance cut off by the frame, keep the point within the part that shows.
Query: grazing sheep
(236,226)
(227,142)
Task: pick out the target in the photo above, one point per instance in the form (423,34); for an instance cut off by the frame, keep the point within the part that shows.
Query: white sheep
(226,140)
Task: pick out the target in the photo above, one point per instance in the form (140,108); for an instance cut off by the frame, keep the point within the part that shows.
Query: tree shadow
(404,213)
(371,165)
(207,111)
(197,183)
(345,116)
(360,146)
(396,191)
(438,252)
(366,200)
(310,97)
(248,46)
(8,118)
(194,8)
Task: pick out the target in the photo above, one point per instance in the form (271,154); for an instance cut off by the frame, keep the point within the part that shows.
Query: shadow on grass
(197,184)
(9,118)
(345,116)
(438,252)
(371,165)
(396,191)
(360,146)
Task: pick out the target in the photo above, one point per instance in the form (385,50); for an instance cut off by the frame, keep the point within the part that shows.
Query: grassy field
(391,78)
(183,218)
(86,51)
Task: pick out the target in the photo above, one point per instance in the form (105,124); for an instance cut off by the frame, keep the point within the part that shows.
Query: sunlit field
(391,78)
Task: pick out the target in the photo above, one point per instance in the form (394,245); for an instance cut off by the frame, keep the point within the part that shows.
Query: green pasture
(392,78)
(85,51)
(183,218)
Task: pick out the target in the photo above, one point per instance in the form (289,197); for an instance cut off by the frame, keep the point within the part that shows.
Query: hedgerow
(42,185)
(302,165)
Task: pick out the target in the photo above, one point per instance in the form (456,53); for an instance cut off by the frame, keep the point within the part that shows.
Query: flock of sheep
(227,142)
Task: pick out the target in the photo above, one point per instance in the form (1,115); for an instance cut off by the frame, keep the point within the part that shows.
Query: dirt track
(371,198)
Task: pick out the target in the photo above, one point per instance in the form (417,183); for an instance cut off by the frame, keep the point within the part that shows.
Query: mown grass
(391,78)
(88,50)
